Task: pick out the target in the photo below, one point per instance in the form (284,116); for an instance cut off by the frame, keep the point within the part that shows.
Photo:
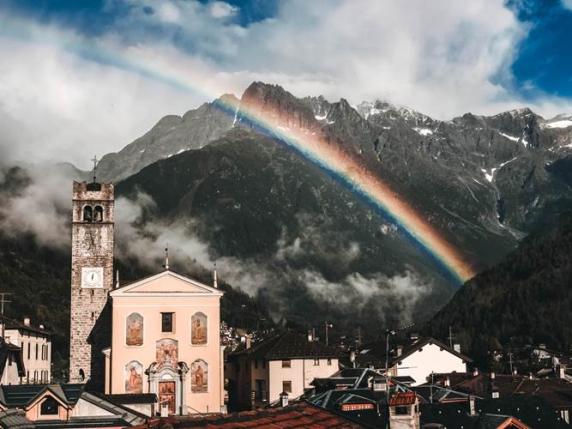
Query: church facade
(157,335)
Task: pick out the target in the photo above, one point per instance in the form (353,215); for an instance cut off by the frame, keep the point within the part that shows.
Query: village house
(36,345)
(286,362)
(62,406)
(12,368)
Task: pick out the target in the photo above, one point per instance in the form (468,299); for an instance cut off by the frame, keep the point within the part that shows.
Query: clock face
(92,277)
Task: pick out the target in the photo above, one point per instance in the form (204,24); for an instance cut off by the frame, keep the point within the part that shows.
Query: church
(157,335)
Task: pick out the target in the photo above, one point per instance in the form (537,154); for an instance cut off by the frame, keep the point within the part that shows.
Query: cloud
(69,94)
(567,4)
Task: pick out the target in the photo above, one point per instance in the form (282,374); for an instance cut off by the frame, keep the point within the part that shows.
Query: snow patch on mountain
(508,136)
(423,131)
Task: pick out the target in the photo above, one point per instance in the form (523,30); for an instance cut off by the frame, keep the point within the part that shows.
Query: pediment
(168,283)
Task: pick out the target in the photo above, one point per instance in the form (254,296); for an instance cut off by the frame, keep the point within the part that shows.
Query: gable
(166,283)
(85,408)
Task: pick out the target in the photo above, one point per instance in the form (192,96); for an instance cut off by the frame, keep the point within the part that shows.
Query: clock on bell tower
(92,276)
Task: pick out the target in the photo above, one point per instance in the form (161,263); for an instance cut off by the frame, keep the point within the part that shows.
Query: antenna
(3,301)
(94,168)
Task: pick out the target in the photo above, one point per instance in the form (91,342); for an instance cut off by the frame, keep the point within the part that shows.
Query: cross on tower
(166,266)
(94,167)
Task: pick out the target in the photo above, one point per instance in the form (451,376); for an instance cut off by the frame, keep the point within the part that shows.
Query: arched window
(36,377)
(81,374)
(134,377)
(134,330)
(98,214)
(199,376)
(87,214)
(49,407)
(199,329)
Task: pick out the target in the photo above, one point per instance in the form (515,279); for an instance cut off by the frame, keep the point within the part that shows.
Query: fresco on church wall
(199,329)
(167,353)
(134,377)
(199,376)
(134,332)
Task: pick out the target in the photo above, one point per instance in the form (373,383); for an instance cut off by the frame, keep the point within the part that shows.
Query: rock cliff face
(484,182)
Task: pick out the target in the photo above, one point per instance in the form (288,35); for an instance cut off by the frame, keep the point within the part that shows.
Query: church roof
(171,283)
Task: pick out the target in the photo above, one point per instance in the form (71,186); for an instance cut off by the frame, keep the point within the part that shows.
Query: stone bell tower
(91,278)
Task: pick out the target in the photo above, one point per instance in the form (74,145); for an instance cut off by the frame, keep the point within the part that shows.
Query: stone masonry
(92,247)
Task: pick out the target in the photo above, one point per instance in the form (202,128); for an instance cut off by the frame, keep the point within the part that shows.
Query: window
(402,410)
(29,348)
(329,362)
(287,386)
(255,363)
(36,376)
(98,214)
(286,363)
(166,322)
(37,347)
(27,376)
(316,362)
(87,214)
(263,364)
(49,407)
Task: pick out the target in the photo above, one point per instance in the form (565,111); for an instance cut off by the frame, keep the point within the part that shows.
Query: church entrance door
(167,395)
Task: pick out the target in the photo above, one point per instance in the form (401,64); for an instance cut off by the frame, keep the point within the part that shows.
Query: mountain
(484,182)
(171,135)
(523,300)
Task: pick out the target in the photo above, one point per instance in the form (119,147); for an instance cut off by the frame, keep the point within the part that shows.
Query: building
(91,279)
(12,369)
(36,345)
(286,362)
(62,406)
(165,340)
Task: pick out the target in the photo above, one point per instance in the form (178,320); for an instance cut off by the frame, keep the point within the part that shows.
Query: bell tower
(91,278)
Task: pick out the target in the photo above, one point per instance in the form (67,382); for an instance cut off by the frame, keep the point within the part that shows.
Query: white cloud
(220,9)
(567,4)
(441,57)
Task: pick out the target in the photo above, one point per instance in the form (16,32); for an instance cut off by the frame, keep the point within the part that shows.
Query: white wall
(40,366)
(430,358)
(301,373)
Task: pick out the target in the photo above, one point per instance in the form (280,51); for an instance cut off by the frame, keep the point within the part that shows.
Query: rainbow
(343,166)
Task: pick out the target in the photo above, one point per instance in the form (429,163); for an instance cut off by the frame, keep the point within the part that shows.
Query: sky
(79,78)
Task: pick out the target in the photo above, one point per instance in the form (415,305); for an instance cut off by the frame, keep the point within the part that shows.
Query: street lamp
(327,325)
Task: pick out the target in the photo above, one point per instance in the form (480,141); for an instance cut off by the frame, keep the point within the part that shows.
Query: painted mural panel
(167,353)
(133,377)
(134,331)
(199,329)
(199,376)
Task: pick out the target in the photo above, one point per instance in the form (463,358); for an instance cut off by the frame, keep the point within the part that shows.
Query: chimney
(310,336)
(353,358)
(562,371)
(475,372)
(447,382)
(41,326)
(414,336)
(399,350)
(247,341)
(493,376)
(472,408)
(457,347)
(26,321)
(284,399)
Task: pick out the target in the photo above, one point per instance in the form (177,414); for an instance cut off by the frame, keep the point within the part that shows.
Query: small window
(287,386)
(29,348)
(166,322)
(255,363)
(286,363)
(49,407)
(402,410)
(36,377)
(87,214)
(37,347)
(316,362)
(329,362)
(81,374)
(98,214)
(263,364)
